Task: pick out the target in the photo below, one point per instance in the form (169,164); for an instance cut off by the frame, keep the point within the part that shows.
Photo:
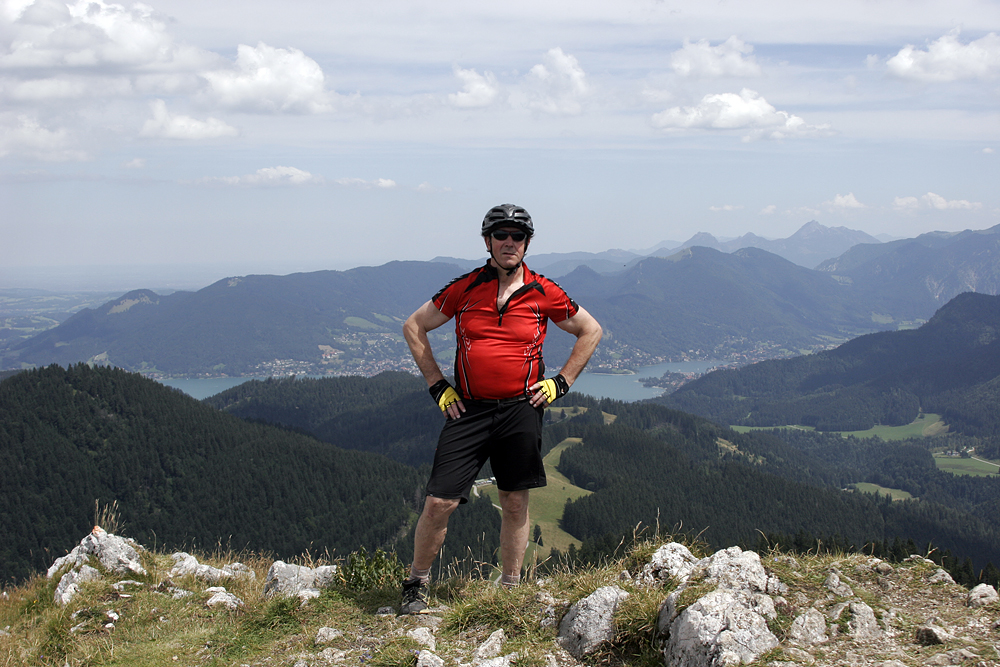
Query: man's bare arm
(427,318)
(588,334)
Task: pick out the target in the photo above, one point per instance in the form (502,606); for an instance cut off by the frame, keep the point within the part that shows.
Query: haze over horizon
(311,135)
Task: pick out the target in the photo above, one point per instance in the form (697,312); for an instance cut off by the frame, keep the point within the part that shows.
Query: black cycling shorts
(508,434)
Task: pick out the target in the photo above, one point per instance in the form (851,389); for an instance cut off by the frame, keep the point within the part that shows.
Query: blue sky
(251,137)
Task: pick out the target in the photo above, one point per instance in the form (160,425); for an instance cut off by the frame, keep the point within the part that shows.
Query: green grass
(360,323)
(548,502)
(959,466)
(924,426)
(895,494)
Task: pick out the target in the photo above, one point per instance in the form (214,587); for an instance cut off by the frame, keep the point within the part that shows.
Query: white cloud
(746,111)
(947,59)
(385,183)
(730,58)
(769,209)
(89,34)
(556,86)
(135,163)
(270,80)
(844,201)
(988,150)
(168,126)
(934,201)
(940,203)
(269,176)
(25,136)
(724,207)
(478,90)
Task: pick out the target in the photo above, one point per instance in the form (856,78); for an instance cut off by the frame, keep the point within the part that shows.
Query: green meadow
(959,466)
(547,504)
(924,426)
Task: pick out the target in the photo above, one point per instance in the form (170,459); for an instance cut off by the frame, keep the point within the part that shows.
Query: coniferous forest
(336,464)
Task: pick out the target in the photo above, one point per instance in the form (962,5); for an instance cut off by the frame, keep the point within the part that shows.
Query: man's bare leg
(432,527)
(513,533)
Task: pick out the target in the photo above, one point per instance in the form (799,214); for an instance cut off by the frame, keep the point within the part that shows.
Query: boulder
(931,635)
(185,563)
(69,583)
(982,594)
(863,625)
(490,648)
(725,627)
(115,554)
(808,629)
(671,561)
(590,622)
(297,580)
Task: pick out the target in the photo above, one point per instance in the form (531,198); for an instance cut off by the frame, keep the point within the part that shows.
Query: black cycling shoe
(414,597)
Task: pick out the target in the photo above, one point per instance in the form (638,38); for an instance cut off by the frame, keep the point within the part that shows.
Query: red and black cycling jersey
(499,350)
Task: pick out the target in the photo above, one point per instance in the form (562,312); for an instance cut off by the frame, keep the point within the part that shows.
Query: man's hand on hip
(447,399)
(548,390)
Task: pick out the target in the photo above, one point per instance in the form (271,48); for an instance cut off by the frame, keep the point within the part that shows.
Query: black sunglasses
(501,235)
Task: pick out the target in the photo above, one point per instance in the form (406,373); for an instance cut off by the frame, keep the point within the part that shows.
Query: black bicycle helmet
(507,215)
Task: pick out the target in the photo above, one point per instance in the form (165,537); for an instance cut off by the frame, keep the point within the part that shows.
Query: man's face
(507,253)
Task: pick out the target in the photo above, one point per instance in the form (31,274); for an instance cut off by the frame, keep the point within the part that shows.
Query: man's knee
(514,502)
(439,509)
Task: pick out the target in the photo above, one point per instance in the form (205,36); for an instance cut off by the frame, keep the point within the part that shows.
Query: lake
(620,387)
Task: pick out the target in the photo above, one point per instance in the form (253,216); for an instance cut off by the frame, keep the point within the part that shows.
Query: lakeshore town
(371,353)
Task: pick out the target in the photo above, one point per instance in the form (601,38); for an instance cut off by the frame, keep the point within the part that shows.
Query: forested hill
(950,365)
(657,466)
(389,414)
(182,473)
(653,462)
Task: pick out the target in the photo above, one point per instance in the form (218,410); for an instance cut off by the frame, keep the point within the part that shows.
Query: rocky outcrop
(186,564)
(730,608)
(298,580)
(590,622)
(100,548)
(719,614)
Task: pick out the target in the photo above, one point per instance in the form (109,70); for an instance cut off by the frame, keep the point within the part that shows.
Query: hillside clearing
(926,425)
(971,466)
(547,503)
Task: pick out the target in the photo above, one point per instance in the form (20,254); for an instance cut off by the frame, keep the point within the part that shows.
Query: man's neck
(505,279)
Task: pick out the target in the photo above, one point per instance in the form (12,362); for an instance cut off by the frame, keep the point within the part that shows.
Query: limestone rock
(671,561)
(940,577)
(116,554)
(185,563)
(809,628)
(836,586)
(427,659)
(590,622)
(69,583)
(297,580)
(725,627)
(424,637)
(734,568)
(930,635)
(863,624)
(222,598)
(982,594)
(490,648)
(326,635)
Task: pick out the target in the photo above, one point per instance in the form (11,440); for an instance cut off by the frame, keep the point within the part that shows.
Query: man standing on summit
(501,313)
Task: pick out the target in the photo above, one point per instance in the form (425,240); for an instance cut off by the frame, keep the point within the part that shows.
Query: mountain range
(697,302)
(949,366)
(810,245)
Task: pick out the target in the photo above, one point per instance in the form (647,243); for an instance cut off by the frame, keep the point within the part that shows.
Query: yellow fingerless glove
(442,392)
(554,387)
